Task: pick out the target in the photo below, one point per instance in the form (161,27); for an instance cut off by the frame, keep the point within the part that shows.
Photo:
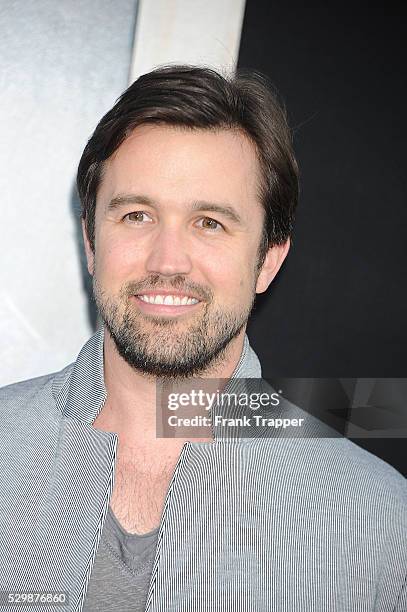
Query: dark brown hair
(201,98)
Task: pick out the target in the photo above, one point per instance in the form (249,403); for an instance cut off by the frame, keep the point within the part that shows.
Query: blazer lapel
(82,483)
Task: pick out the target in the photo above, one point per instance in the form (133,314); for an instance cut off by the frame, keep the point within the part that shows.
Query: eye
(137,216)
(210,224)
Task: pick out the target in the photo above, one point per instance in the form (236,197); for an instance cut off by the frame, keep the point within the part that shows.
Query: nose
(169,254)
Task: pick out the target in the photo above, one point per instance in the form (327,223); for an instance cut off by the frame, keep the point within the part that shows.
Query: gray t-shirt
(122,570)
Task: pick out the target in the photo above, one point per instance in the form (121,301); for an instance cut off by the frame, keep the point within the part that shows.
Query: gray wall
(62,66)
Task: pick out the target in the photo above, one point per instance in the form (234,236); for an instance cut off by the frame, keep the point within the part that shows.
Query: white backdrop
(62,66)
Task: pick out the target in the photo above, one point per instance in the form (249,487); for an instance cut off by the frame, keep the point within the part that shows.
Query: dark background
(338,306)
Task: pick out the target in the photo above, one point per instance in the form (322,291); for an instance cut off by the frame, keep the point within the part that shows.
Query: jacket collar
(80,391)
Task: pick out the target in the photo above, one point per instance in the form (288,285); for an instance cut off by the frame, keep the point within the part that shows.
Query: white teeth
(168,300)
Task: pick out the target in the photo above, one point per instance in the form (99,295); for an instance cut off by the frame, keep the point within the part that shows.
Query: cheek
(233,283)
(119,260)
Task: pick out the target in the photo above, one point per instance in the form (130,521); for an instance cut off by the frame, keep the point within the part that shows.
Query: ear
(90,256)
(272,263)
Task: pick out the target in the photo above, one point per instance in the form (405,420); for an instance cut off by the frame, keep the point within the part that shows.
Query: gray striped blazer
(249,524)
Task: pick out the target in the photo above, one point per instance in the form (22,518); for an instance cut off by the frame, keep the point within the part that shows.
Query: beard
(165,346)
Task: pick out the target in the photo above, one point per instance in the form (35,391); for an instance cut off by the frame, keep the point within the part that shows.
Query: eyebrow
(123,200)
(197,206)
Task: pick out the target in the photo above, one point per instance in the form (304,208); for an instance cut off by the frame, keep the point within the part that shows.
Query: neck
(130,408)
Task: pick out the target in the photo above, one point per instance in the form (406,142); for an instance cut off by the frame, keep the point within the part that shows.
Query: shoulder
(367,473)
(322,455)
(24,389)
(35,392)
(336,467)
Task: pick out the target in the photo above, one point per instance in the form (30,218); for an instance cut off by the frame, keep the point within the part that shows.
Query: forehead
(179,165)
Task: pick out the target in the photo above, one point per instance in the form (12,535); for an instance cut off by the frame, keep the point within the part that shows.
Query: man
(188,187)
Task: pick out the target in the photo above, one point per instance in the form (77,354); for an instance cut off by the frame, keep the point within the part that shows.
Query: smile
(168,300)
(167,304)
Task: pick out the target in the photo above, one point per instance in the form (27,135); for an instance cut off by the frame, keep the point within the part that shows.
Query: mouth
(166,303)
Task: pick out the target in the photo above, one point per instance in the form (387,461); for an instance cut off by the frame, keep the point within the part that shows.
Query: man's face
(177,230)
